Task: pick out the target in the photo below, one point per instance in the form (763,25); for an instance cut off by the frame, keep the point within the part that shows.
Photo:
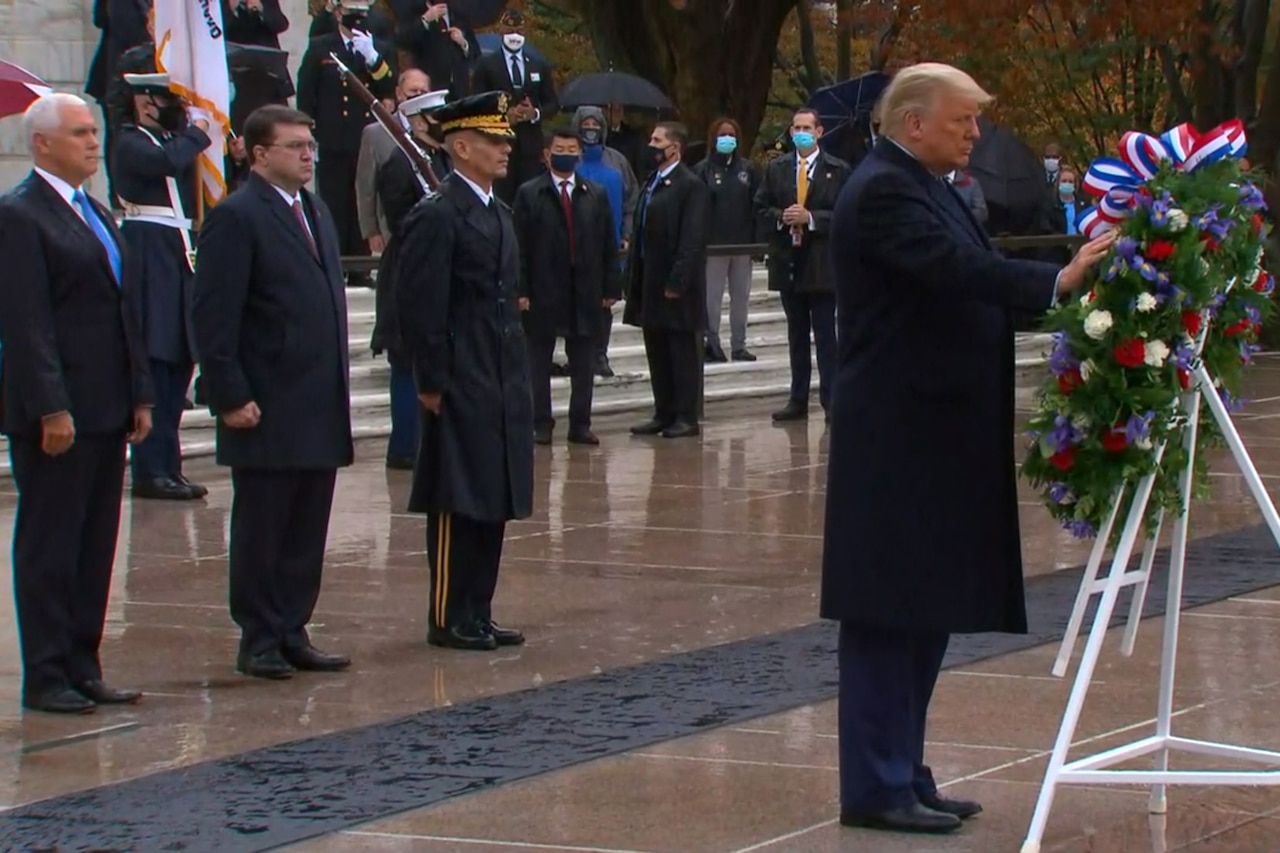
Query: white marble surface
(56,40)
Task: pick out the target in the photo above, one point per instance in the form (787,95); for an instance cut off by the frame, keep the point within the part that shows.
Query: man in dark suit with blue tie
(922,518)
(270,320)
(73,388)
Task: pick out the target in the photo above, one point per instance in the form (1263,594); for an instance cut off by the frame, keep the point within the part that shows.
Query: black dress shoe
(399,463)
(714,354)
(743,355)
(163,489)
(99,693)
(917,818)
(541,436)
(603,369)
(197,490)
(503,636)
(467,638)
(265,665)
(680,429)
(60,701)
(650,427)
(311,659)
(583,436)
(963,809)
(792,411)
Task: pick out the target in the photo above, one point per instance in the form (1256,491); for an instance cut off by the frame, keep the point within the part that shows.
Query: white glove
(195,114)
(362,43)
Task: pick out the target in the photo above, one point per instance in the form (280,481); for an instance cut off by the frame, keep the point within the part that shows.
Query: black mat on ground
(290,792)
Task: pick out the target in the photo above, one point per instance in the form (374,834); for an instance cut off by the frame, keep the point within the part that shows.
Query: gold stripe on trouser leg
(444,543)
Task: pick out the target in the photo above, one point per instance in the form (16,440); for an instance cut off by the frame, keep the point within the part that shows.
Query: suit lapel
(474,213)
(76,226)
(276,203)
(954,209)
(949,205)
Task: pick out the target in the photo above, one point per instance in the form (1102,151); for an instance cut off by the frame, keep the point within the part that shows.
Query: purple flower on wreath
(1060,493)
(1251,197)
(1215,305)
(1080,528)
(1232,404)
(1209,221)
(1127,248)
(1252,312)
(1061,358)
(1183,356)
(1247,351)
(1160,209)
(1063,434)
(1146,269)
(1138,427)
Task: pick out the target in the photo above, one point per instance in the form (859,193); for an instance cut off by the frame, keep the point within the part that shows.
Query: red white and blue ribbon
(1115,181)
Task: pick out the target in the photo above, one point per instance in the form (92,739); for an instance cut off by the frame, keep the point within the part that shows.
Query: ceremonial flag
(191,47)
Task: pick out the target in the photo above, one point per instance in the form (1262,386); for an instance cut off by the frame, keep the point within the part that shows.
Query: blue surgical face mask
(804,139)
(1066,190)
(564,164)
(726,144)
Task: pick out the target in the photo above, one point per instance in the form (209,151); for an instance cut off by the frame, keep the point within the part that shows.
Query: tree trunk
(844,39)
(711,57)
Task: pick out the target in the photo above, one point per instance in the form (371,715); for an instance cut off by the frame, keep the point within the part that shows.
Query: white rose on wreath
(1097,324)
(1086,369)
(1178,219)
(1146,302)
(1157,352)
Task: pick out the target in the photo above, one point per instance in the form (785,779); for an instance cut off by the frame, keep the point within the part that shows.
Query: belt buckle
(131,210)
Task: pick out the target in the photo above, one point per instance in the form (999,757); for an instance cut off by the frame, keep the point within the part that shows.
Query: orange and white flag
(191,47)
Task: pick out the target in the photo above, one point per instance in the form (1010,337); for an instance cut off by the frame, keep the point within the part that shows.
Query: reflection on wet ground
(642,549)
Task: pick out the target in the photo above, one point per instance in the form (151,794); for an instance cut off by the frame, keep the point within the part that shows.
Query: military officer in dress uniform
(456,288)
(156,176)
(340,115)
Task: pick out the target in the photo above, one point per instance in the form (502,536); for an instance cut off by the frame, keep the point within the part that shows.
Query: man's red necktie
(302,223)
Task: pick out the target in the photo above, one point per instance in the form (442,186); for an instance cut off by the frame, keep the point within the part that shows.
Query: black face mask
(354,20)
(657,155)
(591,136)
(170,114)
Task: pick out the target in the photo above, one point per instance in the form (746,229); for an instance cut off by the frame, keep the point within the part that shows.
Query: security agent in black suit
(568,263)
(441,40)
(73,388)
(533,95)
(341,116)
(270,316)
(667,283)
(457,292)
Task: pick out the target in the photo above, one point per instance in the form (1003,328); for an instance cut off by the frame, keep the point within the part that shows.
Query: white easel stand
(1093,769)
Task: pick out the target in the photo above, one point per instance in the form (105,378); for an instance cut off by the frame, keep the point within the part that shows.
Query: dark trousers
(886,682)
(403,443)
(581,351)
(464,555)
(336,181)
(64,547)
(816,313)
(606,334)
(674,361)
(279,524)
(160,455)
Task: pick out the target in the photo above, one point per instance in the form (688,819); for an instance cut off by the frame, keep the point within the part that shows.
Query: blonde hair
(916,88)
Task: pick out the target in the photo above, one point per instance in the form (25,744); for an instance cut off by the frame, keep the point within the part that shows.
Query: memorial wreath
(1185,281)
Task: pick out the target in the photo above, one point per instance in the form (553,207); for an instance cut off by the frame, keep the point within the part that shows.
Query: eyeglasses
(297,147)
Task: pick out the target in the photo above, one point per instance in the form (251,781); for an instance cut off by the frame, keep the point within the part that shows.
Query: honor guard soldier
(156,147)
(459,312)
(340,115)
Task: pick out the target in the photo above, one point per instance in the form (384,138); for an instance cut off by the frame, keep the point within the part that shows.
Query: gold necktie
(802,184)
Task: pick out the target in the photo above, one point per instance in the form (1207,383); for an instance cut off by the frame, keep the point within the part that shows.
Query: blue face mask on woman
(726,144)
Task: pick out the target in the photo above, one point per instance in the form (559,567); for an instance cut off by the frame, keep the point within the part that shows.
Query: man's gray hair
(916,88)
(45,115)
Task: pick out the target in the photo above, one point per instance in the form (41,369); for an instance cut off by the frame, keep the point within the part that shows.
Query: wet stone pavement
(675,695)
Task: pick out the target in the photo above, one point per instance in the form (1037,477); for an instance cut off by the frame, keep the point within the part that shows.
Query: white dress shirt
(485,196)
(296,198)
(557,181)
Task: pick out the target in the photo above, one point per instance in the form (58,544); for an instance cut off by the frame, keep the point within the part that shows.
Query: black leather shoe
(163,489)
(679,429)
(60,701)
(713,354)
(603,369)
(197,490)
(265,665)
(743,355)
(97,692)
(650,427)
(503,636)
(583,436)
(792,411)
(963,809)
(311,659)
(541,435)
(399,463)
(917,818)
(466,639)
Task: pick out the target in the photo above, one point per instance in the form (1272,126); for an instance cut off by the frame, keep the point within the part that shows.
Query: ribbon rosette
(1115,182)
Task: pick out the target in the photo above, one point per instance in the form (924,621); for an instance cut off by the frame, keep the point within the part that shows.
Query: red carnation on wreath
(1070,380)
(1160,250)
(1130,353)
(1191,321)
(1064,460)
(1115,441)
(1237,327)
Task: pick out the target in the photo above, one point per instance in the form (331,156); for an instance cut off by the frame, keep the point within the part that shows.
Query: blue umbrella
(492,42)
(845,109)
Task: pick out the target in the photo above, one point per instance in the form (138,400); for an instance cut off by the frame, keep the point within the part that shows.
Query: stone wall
(56,40)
